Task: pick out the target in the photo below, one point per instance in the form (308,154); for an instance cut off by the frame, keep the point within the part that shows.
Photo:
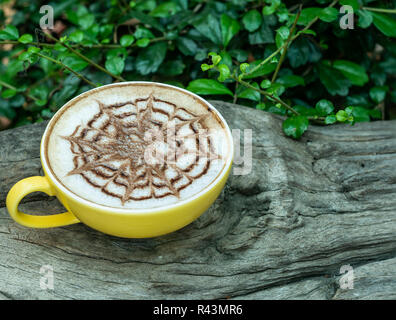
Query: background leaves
(169,40)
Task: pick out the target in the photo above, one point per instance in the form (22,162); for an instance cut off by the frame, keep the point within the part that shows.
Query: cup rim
(55,180)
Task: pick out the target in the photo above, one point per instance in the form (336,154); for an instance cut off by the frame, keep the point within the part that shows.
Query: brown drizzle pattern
(109,151)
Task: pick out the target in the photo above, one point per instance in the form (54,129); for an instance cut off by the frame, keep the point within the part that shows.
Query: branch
(85,58)
(269,95)
(380,10)
(286,44)
(7,85)
(66,67)
(85,46)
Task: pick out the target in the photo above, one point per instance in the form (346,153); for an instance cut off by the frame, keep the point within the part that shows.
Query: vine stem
(86,59)
(380,10)
(66,67)
(50,45)
(286,44)
(269,95)
(9,86)
(100,46)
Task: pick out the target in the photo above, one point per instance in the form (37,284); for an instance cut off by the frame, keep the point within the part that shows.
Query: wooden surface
(281,232)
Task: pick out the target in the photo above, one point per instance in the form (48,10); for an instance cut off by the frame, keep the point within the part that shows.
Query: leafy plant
(271,55)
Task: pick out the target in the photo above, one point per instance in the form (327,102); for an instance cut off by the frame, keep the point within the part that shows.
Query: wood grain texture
(281,232)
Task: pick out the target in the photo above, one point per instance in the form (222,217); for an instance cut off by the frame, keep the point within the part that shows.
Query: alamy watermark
(347,20)
(347,279)
(47,278)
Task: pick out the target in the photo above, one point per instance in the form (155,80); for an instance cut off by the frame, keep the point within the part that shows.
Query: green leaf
(305,111)
(308,31)
(276,89)
(116,52)
(150,58)
(301,51)
(262,71)
(353,3)
(248,93)
(115,65)
(33,50)
(333,80)
(142,43)
(172,68)
(8,93)
(9,33)
(324,107)
(385,23)
(291,80)
(365,18)
(5,109)
(224,72)
(307,15)
(375,113)
(17,101)
(76,36)
(215,58)
(268,10)
(328,14)
(142,32)
(265,84)
(59,47)
(72,61)
(127,40)
(355,73)
(264,34)
(69,88)
(187,46)
(165,10)
(144,18)
(86,21)
(206,67)
(252,20)
(341,116)
(330,119)
(209,27)
(377,94)
(239,54)
(295,126)
(283,32)
(40,92)
(26,38)
(208,86)
(229,28)
(360,114)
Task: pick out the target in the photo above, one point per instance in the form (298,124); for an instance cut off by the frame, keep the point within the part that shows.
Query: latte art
(111,150)
(138,148)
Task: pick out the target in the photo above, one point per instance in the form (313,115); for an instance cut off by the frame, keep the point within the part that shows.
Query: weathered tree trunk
(283,231)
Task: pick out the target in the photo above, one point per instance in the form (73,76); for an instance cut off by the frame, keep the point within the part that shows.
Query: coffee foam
(110,146)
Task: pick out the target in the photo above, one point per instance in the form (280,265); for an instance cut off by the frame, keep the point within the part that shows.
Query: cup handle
(29,185)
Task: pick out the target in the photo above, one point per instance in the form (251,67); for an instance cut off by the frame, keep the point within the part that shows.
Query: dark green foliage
(327,74)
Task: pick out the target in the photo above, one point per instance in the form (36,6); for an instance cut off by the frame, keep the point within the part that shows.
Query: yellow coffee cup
(121,222)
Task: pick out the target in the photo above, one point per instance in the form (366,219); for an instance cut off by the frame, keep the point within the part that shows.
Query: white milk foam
(113,146)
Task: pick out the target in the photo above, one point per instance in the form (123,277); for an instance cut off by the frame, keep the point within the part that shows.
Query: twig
(86,59)
(269,95)
(234,100)
(286,45)
(50,45)
(66,67)
(380,10)
(9,86)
